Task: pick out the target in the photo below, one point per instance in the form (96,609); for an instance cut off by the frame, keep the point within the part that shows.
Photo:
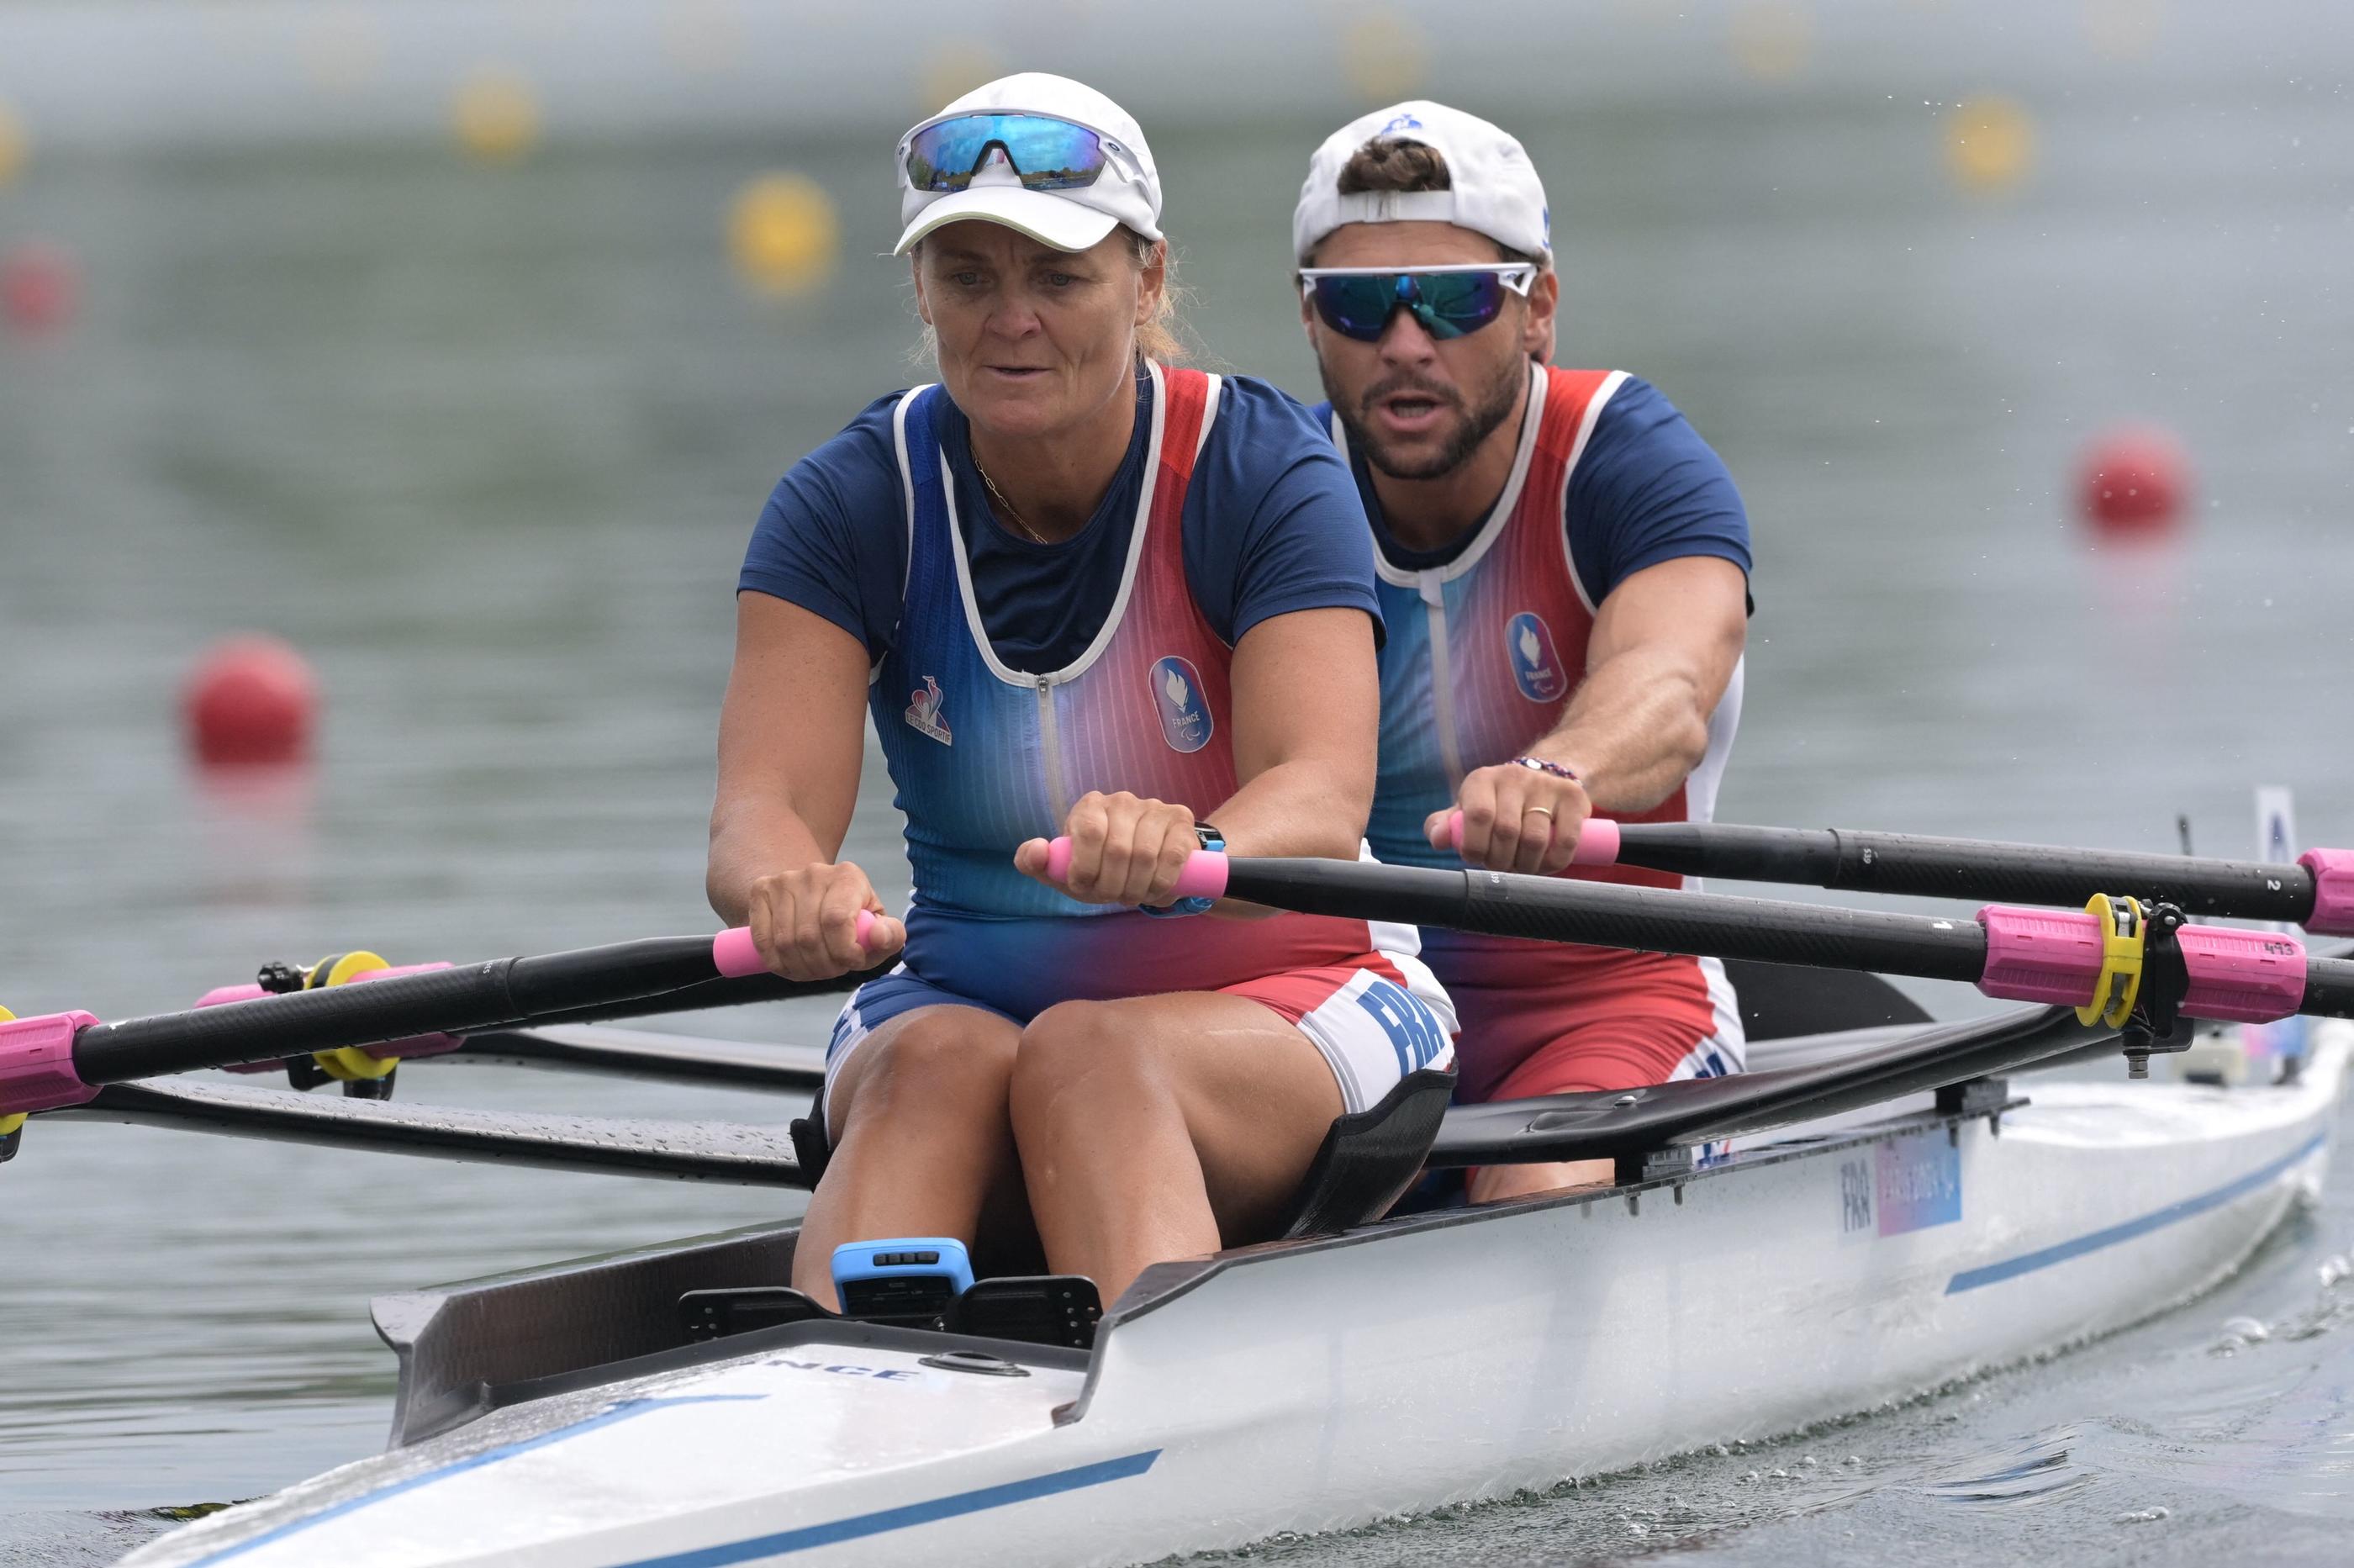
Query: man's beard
(1472,425)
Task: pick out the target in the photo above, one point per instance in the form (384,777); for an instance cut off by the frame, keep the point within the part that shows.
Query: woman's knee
(1075,1053)
(935,1060)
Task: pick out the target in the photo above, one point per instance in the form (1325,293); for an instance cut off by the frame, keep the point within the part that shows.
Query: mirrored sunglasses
(1446,301)
(1047,154)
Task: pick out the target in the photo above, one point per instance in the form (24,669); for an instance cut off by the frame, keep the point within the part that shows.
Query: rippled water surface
(487,443)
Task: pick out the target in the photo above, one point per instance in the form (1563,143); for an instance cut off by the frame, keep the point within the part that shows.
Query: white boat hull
(1318,1385)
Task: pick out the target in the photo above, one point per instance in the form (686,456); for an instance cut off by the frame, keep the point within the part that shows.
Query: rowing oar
(2115,960)
(2317,893)
(63,1059)
(723,1152)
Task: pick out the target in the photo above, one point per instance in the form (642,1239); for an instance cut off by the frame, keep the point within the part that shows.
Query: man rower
(1564,573)
(1076,587)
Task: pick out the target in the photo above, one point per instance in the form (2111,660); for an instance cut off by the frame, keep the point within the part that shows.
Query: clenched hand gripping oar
(2317,893)
(63,1059)
(2116,962)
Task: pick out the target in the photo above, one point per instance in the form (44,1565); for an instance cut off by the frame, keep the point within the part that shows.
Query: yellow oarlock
(9,1124)
(2124,929)
(350,1062)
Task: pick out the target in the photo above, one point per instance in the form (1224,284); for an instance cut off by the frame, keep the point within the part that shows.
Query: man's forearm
(1634,729)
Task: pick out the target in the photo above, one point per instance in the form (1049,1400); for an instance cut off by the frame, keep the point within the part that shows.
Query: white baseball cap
(1493,187)
(1128,190)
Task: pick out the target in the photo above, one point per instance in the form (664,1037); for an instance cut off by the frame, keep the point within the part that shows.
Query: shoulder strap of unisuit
(1569,396)
(1189,403)
(919,460)
(1186,396)
(929,588)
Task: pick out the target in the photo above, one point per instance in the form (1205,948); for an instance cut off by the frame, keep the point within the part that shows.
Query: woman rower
(1085,593)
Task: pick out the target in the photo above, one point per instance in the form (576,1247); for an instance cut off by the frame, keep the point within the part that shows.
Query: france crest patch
(1536,668)
(1185,722)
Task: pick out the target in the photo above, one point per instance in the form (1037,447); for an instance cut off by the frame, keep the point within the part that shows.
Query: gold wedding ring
(1537,811)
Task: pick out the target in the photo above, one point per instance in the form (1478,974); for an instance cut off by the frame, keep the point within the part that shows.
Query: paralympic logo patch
(1536,668)
(924,713)
(1185,722)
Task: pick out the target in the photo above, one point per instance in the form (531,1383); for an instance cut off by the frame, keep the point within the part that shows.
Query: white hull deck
(1318,1385)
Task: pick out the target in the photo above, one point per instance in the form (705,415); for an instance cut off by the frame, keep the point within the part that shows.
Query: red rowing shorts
(1544,1018)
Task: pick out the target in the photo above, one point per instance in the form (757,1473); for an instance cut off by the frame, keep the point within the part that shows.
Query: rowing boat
(557,1417)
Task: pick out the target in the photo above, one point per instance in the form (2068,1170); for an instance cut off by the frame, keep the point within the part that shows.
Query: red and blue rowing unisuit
(987,752)
(1486,643)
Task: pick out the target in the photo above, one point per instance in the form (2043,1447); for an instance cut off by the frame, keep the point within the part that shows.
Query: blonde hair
(1162,335)
(1157,337)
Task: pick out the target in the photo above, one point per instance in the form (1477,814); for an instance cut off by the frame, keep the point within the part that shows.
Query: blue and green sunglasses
(1447,299)
(1046,153)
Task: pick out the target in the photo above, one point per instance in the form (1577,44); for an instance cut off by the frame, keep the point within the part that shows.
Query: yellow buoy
(1383,56)
(14,145)
(1989,143)
(1771,39)
(783,234)
(495,115)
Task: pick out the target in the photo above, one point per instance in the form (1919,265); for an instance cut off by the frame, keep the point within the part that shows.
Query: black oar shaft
(434,1001)
(2328,988)
(1606,914)
(742,991)
(1966,868)
(1767,930)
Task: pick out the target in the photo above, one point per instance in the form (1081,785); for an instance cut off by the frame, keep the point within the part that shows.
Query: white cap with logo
(1494,189)
(1075,218)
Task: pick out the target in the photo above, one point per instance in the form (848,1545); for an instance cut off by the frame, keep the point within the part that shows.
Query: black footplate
(911,1301)
(1032,1310)
(739,1309)
(1036,1310)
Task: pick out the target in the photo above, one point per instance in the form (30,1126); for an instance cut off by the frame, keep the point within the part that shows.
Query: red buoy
(40,285)
(250,700)
(2133,480)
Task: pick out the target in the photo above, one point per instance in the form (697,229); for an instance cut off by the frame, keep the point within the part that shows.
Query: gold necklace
(1006,506)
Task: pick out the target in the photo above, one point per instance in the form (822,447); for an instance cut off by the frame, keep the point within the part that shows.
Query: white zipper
(1442,689)
(1050,749)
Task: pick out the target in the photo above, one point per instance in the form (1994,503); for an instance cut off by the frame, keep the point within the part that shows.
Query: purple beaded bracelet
(1555,769)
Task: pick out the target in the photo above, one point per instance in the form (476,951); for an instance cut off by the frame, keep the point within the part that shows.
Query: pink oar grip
(734,956)
(1205,875)
(1597,841)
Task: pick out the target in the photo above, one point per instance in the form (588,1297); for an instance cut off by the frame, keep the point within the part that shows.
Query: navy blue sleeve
(1647,489)
(1273,523)
(833,537)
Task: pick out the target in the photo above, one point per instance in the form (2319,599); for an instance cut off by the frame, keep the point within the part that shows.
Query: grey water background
(486,442)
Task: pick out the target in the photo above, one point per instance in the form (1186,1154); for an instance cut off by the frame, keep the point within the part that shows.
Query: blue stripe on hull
(620,1411)
(890,1518)
(2027,1263)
